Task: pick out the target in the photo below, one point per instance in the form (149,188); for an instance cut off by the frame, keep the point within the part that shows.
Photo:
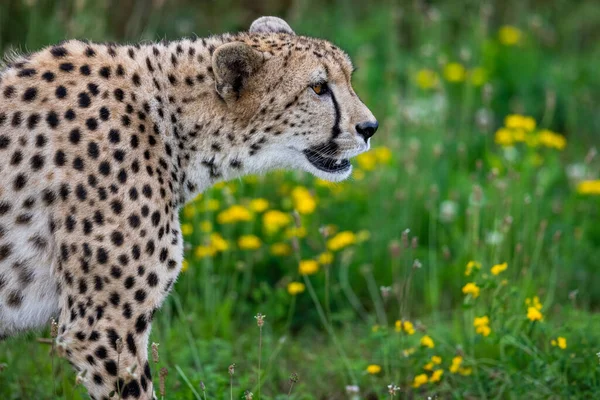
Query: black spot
(84,100)
(85,70)
(98,379)
(111,367)
(60,158)
(116,206)
(131,344)
(14,299)
(61,92)
(93,150)
(19,182)
(30,94)
(141,323)
(101,352)
(66,67)
(104,114)
(101,256)
(16,119)
(78,164)
(75,136)
(92,124)
(37,162)
(136,79)
(114,136)
(4,142)
(48,76)
(104,72)
(115,299)
(33,120)
(16,158)
(140,295)
(117,238)
(81,192)
(152,279)
(26,73)
(9,91)
(70,114)
(52,119)
(89,52)
(58,51)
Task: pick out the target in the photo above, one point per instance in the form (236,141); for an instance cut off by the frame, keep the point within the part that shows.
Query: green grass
(460,195)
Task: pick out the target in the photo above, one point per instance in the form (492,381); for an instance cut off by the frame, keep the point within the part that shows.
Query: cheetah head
(296,93)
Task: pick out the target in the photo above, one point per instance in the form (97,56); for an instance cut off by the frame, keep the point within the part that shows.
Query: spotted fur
(100,146)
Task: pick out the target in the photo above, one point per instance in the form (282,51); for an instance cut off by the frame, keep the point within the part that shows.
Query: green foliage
(437,192)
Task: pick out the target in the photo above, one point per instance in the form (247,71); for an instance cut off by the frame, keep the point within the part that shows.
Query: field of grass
(460,260)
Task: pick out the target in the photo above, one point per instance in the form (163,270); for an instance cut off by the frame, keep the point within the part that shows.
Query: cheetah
(102,144)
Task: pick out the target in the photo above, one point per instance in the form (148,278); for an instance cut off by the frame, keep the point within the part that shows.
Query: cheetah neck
(207,147)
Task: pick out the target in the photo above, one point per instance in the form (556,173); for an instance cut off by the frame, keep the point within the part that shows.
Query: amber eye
(320,88)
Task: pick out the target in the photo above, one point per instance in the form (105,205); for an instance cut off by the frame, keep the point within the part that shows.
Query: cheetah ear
(233,63)
(270,25)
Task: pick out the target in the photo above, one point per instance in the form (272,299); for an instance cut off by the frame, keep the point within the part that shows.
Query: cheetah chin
(102,144)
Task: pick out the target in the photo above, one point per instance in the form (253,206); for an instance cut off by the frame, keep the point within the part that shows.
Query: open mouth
(326,164)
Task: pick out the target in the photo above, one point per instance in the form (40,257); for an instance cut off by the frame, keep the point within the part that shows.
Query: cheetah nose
(367,129)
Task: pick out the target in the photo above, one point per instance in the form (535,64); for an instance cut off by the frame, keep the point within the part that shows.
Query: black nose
(367,129)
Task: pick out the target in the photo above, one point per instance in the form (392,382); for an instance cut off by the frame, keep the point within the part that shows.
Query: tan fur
(100,145)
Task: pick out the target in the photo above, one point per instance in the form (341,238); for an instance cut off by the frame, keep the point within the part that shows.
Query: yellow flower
(187,229)
(472,289)
(206,226)
(259,205)
(408,327)
(218,243)
(497,269)
(437,360)
(456,362)
(516,121)
(235,213)
(437,375)
(325,258)
(295,232)
(426,78)
(249,242)
(204,251)
(478,76)
(534,302)
(274,220)
(552,140)
(589,187)
(374,369)
(295,288)
(482,325)
(303,201)
(534,314)
(383,154)
(428,366)
(367,161)
(375,328)
(504,137)
(341,240)
(212,205)
(465,371)
(454,72)
(560,342)
(427,341)
(509,35)
(471,265)
(420,380)
(308,267)
(281,249)
(184,265)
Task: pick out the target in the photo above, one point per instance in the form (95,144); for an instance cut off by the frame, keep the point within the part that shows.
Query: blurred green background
(486,155)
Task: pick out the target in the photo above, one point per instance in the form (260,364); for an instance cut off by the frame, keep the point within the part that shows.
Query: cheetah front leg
(113,282)
(108,350)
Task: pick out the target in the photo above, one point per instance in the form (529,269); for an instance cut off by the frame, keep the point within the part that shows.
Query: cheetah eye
(320,88)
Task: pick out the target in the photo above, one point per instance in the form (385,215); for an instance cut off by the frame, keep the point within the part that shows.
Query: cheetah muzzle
(102,144)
